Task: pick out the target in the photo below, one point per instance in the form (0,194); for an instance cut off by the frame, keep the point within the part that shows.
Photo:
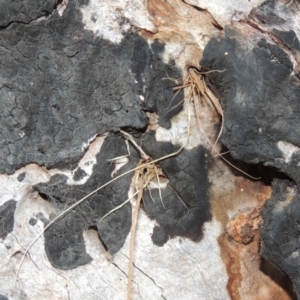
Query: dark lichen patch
(188,186)
(266,13)
(281,230)
(61,85)
(48,93)
(21,177)
(79,174)
(161,98)
(24,11)
(3,297)
(64,242)
(32,221)
(259,95)
(186,198)
(7,211)
(159,236)
(289,38)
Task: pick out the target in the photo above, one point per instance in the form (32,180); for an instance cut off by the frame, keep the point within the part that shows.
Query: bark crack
(214,21)
(161,289)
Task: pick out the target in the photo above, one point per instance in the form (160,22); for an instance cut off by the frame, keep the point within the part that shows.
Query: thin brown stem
(132,240)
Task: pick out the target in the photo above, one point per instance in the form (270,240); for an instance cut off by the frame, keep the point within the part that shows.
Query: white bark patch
(162,184)
(62,6)
(12,188)
(178,270)
(32,276)
(113,18)
(183,44)
(87,162)
(201,133)
(287,150)
(118,164)
(225,11)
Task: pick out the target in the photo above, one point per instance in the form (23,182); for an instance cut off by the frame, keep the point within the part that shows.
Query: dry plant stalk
(199,92)
(142,178)
(147,169)
(146,172)
(146,162)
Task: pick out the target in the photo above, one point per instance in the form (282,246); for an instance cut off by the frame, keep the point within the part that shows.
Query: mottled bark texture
(71,80)
(62,86)
(259,91)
